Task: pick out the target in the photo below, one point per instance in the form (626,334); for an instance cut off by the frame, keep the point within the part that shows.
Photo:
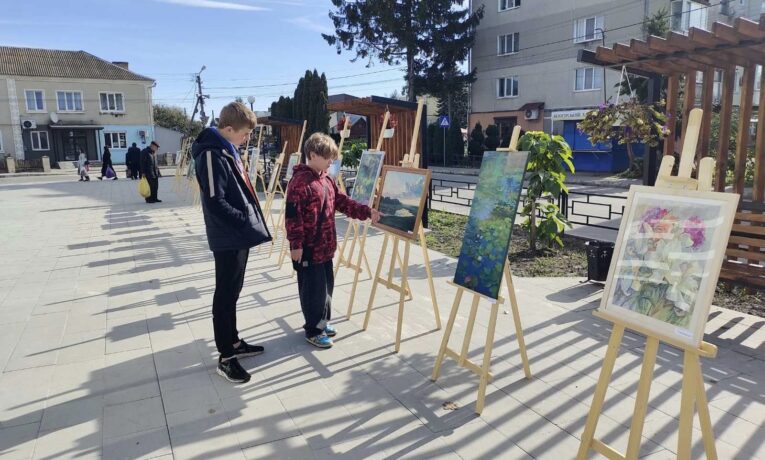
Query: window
(35,100)
(588,79)
(112,102)
(115,140)
(507,87)
(686,14)
(507,44)
(588,29)
(69,101)
(717,86)
(1,142)
(40,140)
(757,77)
(508,4)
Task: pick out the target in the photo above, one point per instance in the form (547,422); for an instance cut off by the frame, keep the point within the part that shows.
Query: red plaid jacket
(305,194)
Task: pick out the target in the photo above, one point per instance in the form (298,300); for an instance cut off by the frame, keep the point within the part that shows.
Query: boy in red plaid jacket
(312,198)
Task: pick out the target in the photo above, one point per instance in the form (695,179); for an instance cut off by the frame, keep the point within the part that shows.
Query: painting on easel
(482,258)
(402,198)
(334,169)
(667,259)
(291,166)
(369,170)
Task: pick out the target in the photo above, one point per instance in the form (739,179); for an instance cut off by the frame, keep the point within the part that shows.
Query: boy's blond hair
(238,116)
(322,145)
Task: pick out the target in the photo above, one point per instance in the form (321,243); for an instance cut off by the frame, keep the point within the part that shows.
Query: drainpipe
(603,41)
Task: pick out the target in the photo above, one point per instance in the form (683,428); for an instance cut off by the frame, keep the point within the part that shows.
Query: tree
(422,34)
(431,133)
(282,108)
(438,143)
(175,118)
(455,143)
(475,145)
(455,105)
(492,137)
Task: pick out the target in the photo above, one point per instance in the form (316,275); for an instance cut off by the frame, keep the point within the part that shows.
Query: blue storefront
(119,137)
(598,158)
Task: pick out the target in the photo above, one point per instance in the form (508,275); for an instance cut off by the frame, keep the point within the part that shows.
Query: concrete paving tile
(133,417)
(151,444)
(293,448)
(71,413)
(259,420)
(81,440)
(18,442)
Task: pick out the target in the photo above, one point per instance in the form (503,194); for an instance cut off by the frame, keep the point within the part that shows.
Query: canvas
(402,198)
(294,158)
(334,168)
(369,170)
(254,159)
(667,260)
(483,255)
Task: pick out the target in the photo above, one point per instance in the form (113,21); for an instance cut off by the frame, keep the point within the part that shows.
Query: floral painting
(669,257)
(482,258)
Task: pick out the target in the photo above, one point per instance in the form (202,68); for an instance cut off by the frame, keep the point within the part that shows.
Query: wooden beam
(695,51)
(758,193)
(730,35)
(749,28)
(702,148)
(677,59)
(689,101)
(609,56)
(673,90)
(723,141)
(742,139)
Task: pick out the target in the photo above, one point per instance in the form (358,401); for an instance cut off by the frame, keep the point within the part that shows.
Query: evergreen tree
(297,99)
(430,37)
(475,145)
(438,144)
(431,133)
(455,105)
(492,137)
(455,144)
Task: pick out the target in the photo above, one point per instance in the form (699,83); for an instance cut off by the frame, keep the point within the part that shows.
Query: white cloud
(216,4)
(307,23)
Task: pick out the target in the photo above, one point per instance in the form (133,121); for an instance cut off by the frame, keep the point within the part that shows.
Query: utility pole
(200,104)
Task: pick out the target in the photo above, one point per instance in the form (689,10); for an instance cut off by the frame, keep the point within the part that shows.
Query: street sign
(443,121)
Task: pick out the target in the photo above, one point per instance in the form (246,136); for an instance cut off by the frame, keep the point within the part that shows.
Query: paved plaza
(106,351)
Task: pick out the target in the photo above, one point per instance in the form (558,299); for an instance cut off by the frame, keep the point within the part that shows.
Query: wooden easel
(359,236)
(483,370)
(285,248)
(343,135)
(274,186)
(259,174)
(693,393)
(403,289)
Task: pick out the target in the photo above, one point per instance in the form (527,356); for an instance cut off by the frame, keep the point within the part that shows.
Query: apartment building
(60,103)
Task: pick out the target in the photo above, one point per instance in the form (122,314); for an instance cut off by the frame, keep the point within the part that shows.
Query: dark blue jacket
(232,213)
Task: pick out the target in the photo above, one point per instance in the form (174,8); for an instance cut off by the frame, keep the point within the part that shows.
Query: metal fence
(29,165)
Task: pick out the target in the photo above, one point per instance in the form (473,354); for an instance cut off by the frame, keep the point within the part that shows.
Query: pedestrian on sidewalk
(106,165)
(312,197)
(150,170)
(234,223)
(83,165)
(132,161)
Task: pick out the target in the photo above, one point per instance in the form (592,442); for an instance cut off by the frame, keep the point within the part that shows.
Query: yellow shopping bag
(143,188)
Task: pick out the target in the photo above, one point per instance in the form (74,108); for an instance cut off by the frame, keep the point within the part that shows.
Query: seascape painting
(369,170)
(334,168)
(485,245)
(402,197)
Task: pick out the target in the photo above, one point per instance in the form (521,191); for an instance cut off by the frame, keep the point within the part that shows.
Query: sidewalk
(107,352)
(584,179)
(94,172)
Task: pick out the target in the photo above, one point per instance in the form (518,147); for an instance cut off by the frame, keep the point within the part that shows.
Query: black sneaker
(232,371)
(245,349)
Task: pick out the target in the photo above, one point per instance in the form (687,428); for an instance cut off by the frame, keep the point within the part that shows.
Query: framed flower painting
(667,260)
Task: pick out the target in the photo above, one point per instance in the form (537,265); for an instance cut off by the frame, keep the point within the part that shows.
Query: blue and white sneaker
(330,330)
(320,341)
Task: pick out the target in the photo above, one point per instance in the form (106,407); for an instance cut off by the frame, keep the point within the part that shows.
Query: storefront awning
(92,127)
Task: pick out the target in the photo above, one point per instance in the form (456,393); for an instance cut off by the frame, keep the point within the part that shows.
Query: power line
(293,83)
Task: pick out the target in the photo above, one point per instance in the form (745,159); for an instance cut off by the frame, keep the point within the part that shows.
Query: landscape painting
(483,255)
(667,260)
(369,170)
(334,168)
(402,197)
(291,165)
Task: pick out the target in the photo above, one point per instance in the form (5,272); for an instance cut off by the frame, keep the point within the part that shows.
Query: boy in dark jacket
(234,223)
(312,197)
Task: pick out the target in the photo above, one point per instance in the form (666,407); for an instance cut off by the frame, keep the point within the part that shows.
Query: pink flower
(654,215)
(694,227)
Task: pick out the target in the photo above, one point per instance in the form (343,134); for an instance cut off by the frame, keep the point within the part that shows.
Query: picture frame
(486,242)
(370,165)
(667,260)
(293,161)
(402,196)
(334,168)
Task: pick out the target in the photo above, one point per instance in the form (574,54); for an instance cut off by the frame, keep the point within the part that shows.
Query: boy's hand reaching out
(296,254)
(376,216)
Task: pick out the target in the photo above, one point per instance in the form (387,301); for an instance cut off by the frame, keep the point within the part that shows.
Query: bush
(492,137)
(475,145)
(455,144)
(352,150)
(437,154)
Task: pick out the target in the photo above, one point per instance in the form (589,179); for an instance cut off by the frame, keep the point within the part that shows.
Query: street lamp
(251,100)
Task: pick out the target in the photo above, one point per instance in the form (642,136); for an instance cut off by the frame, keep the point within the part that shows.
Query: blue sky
(243,43)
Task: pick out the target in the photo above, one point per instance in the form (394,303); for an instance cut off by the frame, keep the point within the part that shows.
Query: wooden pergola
(287,129)
(373,107)
(681,57)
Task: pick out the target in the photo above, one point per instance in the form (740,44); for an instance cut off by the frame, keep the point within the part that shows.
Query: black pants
(154,187)
(229,279)
(315,285)
(103,168)
(133,171)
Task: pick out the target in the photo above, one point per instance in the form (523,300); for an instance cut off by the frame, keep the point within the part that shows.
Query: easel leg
(517,321)
(278,228)
(641,401)
(375,282)
(426,257)
(362,247)
(600,391)
(341,254)
(447,335)
(469,330)
(487,358)
(693,394)
(355,225)
(402,298)
(393,258)
(705,420)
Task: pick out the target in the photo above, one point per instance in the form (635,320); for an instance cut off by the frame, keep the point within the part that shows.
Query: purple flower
(694,227)
(653,216)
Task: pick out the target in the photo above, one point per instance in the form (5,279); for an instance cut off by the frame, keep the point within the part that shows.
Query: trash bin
(599,254)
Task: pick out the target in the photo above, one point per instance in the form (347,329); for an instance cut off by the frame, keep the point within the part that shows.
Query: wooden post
(689,99)
(759,150)
(702,148)
(723,140)
(673,88)
(742,139)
